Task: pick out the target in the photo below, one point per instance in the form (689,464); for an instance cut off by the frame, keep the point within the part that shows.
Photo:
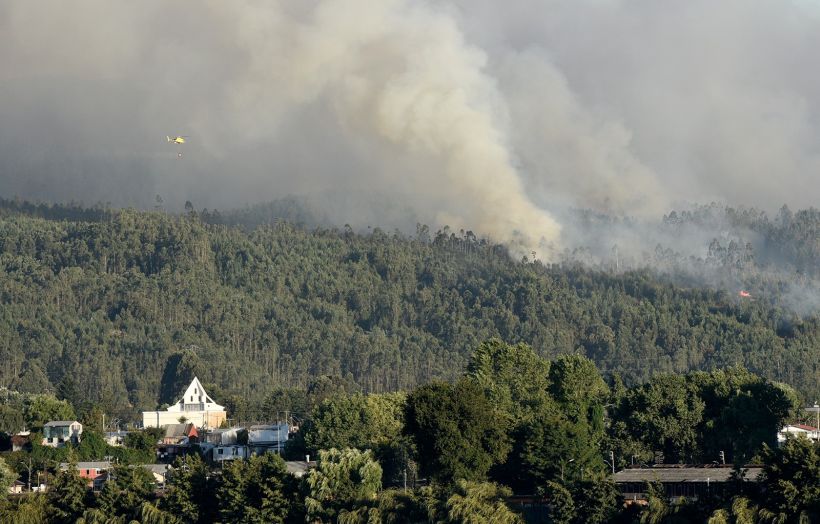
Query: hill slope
(108,309)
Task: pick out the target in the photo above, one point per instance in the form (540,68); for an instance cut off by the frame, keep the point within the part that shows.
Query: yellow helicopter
(178,141)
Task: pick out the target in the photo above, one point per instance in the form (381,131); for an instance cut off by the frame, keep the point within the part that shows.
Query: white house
(230,452)
(795,430)
(159,472)
(58,433)
(116,438)
(195,406)
(273,435)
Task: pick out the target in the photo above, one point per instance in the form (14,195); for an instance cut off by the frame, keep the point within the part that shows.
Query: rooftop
(801,426)
(101,464)
(684,474)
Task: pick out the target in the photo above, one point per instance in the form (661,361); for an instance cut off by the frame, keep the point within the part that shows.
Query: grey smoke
(495,117)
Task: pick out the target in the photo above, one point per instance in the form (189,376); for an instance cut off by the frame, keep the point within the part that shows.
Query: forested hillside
(106,307)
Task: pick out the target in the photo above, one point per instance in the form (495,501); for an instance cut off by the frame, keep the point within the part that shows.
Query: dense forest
(105,306)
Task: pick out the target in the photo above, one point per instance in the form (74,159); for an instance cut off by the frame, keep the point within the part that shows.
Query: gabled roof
(180,430)
(196,394)
(160,469)
(54,423)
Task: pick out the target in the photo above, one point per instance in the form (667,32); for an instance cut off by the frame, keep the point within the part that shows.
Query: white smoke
(475,115)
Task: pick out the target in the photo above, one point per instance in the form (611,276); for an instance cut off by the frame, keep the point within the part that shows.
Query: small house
(90,470)
(274,435)
(180,434)
(17,487)
(21,441)
(230,452)
(59,432)
(796,430)
(116,438)
(159,472)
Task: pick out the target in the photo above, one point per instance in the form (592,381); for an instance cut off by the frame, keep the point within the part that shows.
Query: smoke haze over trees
(493,121)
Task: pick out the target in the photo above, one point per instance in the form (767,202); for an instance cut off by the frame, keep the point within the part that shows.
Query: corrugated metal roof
(673,474)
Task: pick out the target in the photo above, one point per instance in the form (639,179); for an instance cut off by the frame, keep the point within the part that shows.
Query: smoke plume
(468,114)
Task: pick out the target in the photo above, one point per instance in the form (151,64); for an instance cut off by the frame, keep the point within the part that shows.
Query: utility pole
(816,410)
(29,474)
(612,460)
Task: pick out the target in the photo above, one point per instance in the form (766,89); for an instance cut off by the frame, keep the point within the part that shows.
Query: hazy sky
(493,116)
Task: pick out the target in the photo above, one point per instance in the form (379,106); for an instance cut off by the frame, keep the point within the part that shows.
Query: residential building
(264,438)
(679,480)
(796,430)
(59,432)
(17,487)
(90,470)
(168,453)
(299,468)
(116,438)
(195,406)
(180,434)
(21,441)
(230,452)
(159,471)
(224,436)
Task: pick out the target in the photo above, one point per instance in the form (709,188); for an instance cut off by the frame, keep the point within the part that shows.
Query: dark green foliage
(180,369)
(554,446)
(791,484)
(561,505)
(355,421)
(479,502)
(92,446)
(7,476)
(257,491)
(458,432)
(189,492)
(112,308)
(67,496)
(692,418)
(125,491)
(39,409)
(344,480)
(597,499)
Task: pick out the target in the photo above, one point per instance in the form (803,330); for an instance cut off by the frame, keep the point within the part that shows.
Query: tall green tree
(189,491)
(125,491)
(40,409)
(791,482)
(480,502)
(258,491)
(457,431)
(342,481)
(67,496)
